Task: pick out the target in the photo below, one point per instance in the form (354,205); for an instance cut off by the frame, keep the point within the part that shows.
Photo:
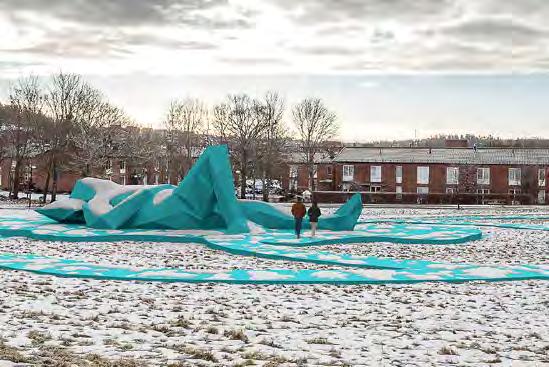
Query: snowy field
(70,322)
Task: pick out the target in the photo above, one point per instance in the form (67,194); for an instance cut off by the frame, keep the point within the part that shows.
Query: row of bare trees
(73,127)
(255,130)
(66,121)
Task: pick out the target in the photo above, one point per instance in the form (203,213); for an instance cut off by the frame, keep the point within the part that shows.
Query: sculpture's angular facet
(205,199)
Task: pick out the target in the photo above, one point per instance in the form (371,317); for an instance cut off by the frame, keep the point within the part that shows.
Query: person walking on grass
(313,213)
(298,211)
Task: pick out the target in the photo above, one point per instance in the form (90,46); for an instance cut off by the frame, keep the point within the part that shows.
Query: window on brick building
(399,192)
(375,174)
(122,167)
(108,167)
(514,191)
(375,188)
(329,171)
(293,171)
(541,177)
(422,190)
(398,174)
(451,190)
(423,175)
(514,176)
(452,175)
(541,197)
(348,172)
(293,177)
(483,176)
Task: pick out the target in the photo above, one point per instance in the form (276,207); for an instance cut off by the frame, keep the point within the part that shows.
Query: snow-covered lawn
(86,322)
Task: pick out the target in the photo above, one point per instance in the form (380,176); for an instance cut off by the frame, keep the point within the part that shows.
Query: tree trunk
(54,184)
(265,186)
(46,185)
(16,180)
(189,155)
(311,177)
(47,182)
(243,173)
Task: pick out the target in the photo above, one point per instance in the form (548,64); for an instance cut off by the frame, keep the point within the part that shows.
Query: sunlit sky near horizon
(389,69)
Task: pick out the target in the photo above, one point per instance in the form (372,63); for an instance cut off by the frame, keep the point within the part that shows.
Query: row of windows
(452,175)
(423,190)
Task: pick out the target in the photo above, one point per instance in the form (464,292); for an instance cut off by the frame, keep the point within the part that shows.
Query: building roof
(507,156)
(319,158)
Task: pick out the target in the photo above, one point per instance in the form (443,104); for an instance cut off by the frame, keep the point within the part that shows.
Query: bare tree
(3,129)
(64,101)
(98,132)
(274,139)
(26,102)
(144,149)
(194,115)
(5,118)
(236,122)
(315,125)
(184,124)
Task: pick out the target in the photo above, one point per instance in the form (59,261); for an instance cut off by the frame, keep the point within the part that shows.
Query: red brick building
(120,170)
(297,179)
(438,175)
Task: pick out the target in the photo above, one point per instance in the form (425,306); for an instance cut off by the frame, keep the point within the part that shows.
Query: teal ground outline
(276,244)
(203,209)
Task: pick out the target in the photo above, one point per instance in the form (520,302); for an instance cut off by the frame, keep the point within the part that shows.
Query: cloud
(504,31)
(317,11)
(254,60)
(306,36)
(117,12)
(329,50)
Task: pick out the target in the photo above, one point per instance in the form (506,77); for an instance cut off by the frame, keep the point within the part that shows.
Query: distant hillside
(438,141)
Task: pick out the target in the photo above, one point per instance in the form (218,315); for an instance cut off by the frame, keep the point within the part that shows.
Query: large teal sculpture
(205,199)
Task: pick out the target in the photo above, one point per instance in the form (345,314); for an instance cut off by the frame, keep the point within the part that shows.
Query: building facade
(119,170)
(439,175)
(298,180)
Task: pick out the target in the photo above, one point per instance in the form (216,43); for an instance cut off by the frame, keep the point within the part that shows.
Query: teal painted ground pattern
(270,244)
(203,209)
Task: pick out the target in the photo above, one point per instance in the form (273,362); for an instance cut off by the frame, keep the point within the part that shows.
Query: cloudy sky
(389,68)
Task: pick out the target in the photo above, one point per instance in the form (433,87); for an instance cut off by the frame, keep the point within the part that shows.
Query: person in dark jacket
(314,213)
(298,211)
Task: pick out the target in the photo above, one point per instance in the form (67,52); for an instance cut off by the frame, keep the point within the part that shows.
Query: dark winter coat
(314,213)
(298,210)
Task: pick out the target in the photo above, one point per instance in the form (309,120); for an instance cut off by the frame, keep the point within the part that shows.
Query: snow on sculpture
(203,200)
